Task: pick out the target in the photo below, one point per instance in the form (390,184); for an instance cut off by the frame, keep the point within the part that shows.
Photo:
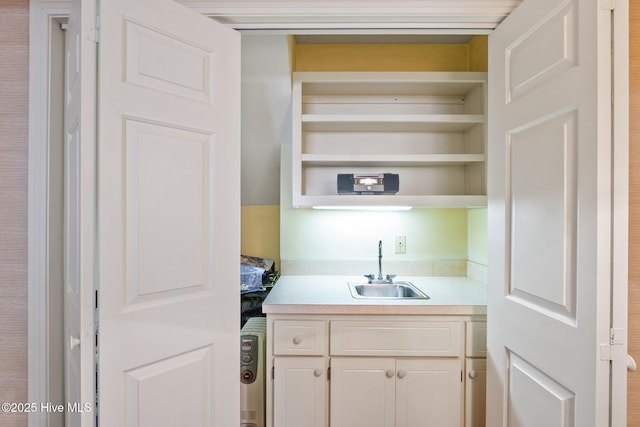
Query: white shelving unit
(428,127)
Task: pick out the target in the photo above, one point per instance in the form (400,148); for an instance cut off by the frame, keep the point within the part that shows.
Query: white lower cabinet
(475,392)
(300,387)
(475,373)
(395,392)
(362,392)
(375,371)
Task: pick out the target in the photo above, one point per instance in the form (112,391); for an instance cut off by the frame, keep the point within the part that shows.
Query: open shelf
(429,128)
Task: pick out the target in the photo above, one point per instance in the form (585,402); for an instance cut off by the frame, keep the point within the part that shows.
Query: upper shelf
(391,122)
(391,159)
(426,127)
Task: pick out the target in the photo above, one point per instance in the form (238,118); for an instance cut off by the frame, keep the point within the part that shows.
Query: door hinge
(273,372)
(329,373)
(617,336)
(607,4)
(98,28)
(94,33)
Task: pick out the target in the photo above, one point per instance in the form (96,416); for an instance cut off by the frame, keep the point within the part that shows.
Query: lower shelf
(390,201)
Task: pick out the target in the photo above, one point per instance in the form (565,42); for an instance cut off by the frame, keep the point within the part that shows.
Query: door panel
(168,200)
(541,206)
(428,391)
(549,215)
(151,391)
(171,250)
(301,386)
(531,390)
(362,392)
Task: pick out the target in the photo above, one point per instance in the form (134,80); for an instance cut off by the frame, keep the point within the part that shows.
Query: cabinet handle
(317,372)
(473,374)
(390,373)
(297,339)
(402,373)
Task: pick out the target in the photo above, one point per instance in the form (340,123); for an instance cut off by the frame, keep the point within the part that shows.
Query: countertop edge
(374,309)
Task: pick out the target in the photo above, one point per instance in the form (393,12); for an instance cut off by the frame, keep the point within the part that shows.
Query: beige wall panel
(261,232)
(14,81)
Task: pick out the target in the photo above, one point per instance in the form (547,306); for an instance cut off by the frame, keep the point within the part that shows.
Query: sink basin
(397,290)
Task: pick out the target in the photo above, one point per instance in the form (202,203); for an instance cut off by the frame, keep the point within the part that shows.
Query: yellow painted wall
(381,57)
(392,57)
(260,234)
(478,53)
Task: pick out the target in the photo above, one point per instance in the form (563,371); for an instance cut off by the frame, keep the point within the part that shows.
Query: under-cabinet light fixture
(365,208)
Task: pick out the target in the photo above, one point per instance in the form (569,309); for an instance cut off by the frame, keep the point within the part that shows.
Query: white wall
(346,242)
(266,115)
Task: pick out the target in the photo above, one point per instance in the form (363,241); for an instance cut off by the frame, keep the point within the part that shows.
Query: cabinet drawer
(401,338)
(476,339)
(300,337)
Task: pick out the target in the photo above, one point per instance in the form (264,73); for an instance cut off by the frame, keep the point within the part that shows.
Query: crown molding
(331,14)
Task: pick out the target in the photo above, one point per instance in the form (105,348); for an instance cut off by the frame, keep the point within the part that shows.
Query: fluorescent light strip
(365,208)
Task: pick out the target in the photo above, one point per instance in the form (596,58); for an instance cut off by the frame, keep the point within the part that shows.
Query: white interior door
(168,212)
(79,220)
(550,215)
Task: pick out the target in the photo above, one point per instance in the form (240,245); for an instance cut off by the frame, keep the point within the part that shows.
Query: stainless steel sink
(396,290)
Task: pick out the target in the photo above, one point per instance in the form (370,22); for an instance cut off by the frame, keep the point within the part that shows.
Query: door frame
(406,17)
(42,16)
(620,214)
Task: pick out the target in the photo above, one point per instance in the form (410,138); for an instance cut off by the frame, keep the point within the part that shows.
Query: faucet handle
(370,277)
(390,277)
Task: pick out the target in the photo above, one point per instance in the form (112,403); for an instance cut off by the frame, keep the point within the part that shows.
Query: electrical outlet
(401,244)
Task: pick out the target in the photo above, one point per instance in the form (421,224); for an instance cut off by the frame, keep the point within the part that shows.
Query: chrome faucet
(372,278)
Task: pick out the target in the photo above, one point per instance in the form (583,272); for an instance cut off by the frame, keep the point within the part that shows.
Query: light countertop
(330,295)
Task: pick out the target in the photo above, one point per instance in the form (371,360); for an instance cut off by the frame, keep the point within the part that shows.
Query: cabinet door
(362,392)
(475,393)
(428,392)
(300,392)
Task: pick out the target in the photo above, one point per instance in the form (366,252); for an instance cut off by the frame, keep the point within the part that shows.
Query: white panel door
(168,211)
(550,215)
(79,220)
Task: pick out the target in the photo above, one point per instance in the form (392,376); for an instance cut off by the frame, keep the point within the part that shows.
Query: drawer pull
(297,339)
(390,373)
(317,373)
(473,374)
(402,373)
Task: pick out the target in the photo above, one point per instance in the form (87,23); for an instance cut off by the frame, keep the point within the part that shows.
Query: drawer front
(300,337)
(476,339)
(401,338)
